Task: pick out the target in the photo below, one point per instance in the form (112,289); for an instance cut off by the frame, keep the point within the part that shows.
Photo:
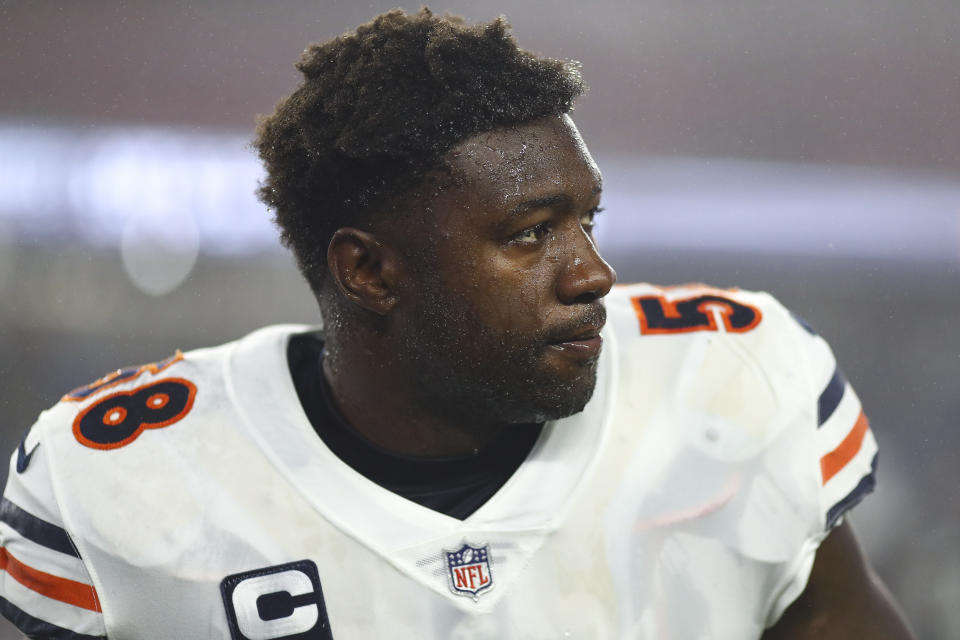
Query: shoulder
(755,319)
(134,416)
(742,377)
(724,344)
(113,410)
(165,407)
(720,332)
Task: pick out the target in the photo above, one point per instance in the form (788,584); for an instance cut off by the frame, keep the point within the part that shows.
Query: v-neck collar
(536,497)
(456,485)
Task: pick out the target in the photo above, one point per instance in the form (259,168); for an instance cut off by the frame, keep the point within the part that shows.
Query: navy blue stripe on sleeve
(35,529)
(37,628)
(830,398)
(866,485)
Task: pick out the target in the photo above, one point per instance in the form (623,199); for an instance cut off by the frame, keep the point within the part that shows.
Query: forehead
(509,165)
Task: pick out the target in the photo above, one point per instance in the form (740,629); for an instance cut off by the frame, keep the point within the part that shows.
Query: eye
(532,235)
(588,219)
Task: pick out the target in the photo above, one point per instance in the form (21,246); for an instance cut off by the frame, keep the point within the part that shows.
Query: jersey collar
(536,497)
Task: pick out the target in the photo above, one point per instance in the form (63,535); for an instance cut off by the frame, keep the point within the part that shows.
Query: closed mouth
(584,345)
(580,337)
(584,335)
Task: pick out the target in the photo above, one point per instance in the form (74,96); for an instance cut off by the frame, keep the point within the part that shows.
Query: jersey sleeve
(45,587)
(844,462)
(844,442)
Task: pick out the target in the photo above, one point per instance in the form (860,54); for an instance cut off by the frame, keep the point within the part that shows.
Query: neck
(376,394)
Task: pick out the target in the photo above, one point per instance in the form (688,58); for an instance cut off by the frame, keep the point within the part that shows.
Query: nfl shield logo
(468,570)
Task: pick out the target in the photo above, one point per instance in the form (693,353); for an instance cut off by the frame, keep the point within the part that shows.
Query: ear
(365,270)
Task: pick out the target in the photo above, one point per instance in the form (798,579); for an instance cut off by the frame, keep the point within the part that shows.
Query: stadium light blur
(87,184)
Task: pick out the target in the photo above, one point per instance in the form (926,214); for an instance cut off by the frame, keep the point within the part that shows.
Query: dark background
(808,149)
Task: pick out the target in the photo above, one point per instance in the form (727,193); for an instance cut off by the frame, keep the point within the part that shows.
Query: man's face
(506,308)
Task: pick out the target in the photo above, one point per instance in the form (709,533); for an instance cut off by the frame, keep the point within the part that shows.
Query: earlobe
(364,269)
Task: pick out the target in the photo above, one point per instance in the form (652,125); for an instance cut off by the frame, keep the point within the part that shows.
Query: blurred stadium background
(808,149)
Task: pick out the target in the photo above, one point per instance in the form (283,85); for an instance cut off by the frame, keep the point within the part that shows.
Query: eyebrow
(546,202)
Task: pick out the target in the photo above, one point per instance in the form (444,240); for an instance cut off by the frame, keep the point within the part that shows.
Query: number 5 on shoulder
(658,315)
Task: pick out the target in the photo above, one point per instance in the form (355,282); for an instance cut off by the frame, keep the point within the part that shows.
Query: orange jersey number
(658,315)
(118,419)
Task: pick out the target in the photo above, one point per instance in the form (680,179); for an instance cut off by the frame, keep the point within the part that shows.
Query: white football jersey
(191,498)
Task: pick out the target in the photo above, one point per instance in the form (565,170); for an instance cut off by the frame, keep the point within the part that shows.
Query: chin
(555,399)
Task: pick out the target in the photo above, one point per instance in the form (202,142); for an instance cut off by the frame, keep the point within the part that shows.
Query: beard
(473,373)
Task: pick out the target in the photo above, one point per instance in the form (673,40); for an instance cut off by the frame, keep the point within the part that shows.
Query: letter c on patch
(273,603)
(247,596)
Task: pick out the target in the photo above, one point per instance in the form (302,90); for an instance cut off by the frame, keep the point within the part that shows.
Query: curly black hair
(378,108)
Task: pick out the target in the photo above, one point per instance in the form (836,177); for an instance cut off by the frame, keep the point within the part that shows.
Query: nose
(585,275)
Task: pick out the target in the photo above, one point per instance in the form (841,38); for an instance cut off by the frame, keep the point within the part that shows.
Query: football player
(485,439)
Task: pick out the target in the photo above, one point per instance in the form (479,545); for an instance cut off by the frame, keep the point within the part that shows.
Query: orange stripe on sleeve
(51,586)
(837,459)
